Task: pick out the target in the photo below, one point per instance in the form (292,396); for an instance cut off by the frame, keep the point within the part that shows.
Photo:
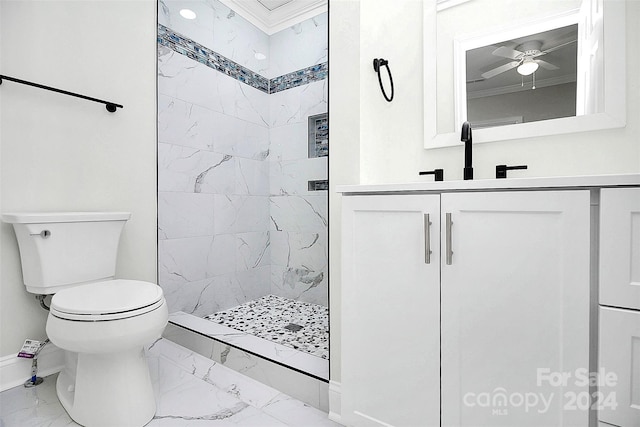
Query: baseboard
(335,401)
(14,371)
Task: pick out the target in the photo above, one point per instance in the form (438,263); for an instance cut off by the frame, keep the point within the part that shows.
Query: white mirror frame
(613,113)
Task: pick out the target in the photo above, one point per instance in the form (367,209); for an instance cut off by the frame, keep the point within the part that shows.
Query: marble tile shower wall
(236,221)
(299,258)
(213,200)
(307,39)
(299,216)
(219,28)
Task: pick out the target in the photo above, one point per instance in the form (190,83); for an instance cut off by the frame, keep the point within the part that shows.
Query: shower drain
(293,327)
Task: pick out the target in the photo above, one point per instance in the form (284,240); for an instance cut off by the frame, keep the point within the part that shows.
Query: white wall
(389,136)
(344,135)
(63,153)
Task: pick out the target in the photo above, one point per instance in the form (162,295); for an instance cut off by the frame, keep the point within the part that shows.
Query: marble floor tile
(191,391)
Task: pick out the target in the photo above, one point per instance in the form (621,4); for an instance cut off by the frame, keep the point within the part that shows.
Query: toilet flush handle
(44,234)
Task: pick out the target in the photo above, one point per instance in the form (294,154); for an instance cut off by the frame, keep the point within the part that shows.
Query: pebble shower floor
(279,320)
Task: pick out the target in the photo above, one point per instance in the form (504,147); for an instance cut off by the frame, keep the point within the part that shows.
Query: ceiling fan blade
(506,52)
(551,49)
(546,65)
(499,70)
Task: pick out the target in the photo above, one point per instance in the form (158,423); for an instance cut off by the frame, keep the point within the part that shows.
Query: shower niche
(243,144)
(318,135)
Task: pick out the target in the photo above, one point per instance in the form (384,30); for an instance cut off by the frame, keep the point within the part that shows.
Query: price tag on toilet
(30,348)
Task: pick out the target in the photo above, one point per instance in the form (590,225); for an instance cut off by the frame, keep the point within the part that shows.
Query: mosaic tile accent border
(315,73)
(185,46)
(271,318)
(206,56)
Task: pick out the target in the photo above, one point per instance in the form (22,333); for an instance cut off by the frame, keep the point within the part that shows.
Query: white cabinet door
(515,308)
(619,365)
(620,247)
(390,311)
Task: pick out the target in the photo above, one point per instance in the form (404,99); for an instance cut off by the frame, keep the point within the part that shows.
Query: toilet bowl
(104,326)
(102,323)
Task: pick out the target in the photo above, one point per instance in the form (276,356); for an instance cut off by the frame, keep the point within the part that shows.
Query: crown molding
(280,18)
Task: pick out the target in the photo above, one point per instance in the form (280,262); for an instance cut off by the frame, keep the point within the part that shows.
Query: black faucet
(468,159)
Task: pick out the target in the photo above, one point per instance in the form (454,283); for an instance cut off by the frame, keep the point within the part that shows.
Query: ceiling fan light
(528,67)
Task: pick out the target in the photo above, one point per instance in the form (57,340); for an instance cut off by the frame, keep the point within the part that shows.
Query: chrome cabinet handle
(449,223)
(427,239)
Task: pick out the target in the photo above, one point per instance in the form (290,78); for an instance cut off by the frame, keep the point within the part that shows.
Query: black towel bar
(111,106)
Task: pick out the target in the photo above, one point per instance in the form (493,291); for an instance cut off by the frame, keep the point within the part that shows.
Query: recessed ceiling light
(188,14)
(260,56)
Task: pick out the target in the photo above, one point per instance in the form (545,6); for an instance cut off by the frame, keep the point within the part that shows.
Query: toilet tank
(65,249)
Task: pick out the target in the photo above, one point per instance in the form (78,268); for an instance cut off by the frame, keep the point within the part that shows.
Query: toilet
(101,322)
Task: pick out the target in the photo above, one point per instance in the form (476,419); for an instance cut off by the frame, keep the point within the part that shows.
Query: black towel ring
(377,65)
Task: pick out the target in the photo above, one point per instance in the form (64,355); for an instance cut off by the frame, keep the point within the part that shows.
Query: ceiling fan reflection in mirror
(525,58)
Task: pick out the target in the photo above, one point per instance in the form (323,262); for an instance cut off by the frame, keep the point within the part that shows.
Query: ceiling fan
(525,58)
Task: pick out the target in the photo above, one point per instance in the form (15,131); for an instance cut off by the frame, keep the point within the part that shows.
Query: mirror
(478,49)
(527,79)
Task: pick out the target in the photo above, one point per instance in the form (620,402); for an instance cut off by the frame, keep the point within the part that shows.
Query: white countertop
(562,182)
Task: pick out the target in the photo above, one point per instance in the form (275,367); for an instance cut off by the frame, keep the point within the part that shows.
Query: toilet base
(107,389)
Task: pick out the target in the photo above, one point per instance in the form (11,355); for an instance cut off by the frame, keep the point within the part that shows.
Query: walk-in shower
(242,173)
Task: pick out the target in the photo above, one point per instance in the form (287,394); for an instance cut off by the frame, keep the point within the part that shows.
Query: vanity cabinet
(619,319)
(391,310)
(620,247)
(463,308)
(618,396)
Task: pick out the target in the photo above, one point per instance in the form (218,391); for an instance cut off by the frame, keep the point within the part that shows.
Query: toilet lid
(110,297)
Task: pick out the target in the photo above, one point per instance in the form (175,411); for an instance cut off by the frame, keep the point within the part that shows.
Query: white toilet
(103,323)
